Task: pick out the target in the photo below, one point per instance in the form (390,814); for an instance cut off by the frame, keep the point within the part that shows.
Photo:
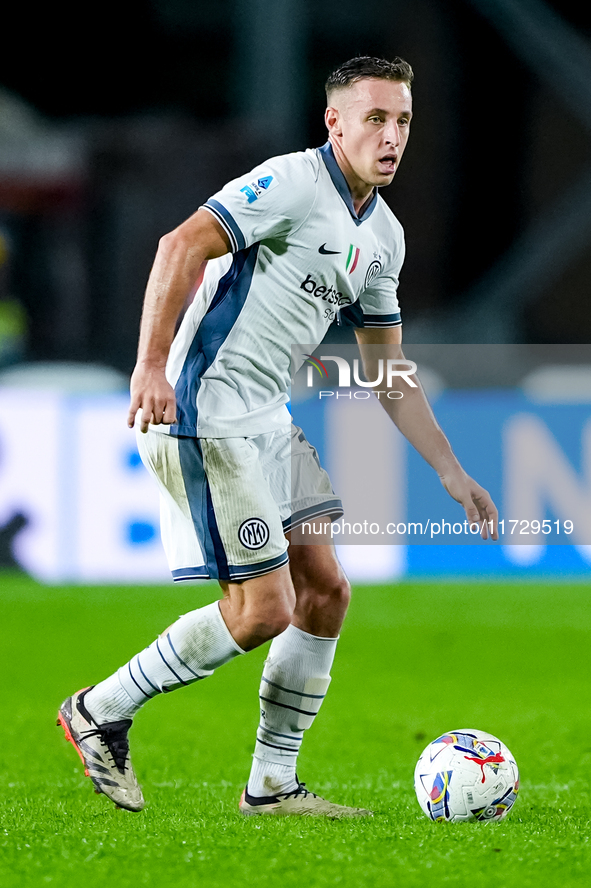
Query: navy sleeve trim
(228,223)
(386,320)
(350,316)
(353,316)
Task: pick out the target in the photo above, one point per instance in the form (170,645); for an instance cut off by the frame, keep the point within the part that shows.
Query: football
(466,775)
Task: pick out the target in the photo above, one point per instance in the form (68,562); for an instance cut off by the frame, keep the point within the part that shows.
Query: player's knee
(270,623)
(269,618)
(276,624)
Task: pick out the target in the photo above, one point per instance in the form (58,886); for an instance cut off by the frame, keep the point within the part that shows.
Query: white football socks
(191,649)
(295,680)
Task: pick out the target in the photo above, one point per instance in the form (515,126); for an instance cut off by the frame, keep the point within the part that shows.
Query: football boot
(104,751)
(301,802)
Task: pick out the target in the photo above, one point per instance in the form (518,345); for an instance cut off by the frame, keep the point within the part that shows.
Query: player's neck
(360,190)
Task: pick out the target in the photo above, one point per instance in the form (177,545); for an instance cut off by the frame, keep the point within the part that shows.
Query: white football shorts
(226,503)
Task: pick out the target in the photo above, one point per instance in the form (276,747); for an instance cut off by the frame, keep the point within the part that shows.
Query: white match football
(466,775)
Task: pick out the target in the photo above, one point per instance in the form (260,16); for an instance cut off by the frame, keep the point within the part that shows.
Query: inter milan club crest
(372,272)
(254,533)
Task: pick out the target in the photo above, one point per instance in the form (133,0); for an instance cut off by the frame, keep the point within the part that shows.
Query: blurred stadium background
(115,128)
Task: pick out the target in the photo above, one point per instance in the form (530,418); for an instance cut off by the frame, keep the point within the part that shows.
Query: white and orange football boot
(104,750)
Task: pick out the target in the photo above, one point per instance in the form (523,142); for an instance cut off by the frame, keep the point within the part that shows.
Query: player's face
(369,125)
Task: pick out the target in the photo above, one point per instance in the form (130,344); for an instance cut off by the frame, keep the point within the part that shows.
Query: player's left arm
(413,416)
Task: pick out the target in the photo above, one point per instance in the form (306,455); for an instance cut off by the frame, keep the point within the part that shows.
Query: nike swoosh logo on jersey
(326,252)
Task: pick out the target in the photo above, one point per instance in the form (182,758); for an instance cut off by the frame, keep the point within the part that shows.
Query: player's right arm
(179,258)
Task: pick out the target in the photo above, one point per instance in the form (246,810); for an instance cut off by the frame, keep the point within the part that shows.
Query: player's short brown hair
(363,67)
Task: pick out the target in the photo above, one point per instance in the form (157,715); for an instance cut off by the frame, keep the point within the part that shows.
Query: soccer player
(235,476)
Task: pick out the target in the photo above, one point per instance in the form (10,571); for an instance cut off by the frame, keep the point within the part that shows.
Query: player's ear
(332,118)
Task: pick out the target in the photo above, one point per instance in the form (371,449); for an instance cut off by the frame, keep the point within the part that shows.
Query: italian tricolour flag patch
(352,258)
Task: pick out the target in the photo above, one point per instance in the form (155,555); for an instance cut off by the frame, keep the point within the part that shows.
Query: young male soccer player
(234,475)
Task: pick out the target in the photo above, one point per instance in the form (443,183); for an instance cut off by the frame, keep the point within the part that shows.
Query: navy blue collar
(340,183)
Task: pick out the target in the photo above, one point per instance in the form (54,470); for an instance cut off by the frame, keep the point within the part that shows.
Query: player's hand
(152,393)
(477,502)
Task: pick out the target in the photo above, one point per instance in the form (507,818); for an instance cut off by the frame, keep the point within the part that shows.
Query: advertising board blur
(519,420)
(76,503)
(74,490)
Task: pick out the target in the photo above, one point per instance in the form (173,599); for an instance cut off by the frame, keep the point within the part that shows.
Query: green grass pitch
(414,660)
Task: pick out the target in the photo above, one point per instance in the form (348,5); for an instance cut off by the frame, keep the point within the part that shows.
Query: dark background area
(132,114)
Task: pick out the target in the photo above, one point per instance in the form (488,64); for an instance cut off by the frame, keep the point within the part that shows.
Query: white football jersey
(301,258)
